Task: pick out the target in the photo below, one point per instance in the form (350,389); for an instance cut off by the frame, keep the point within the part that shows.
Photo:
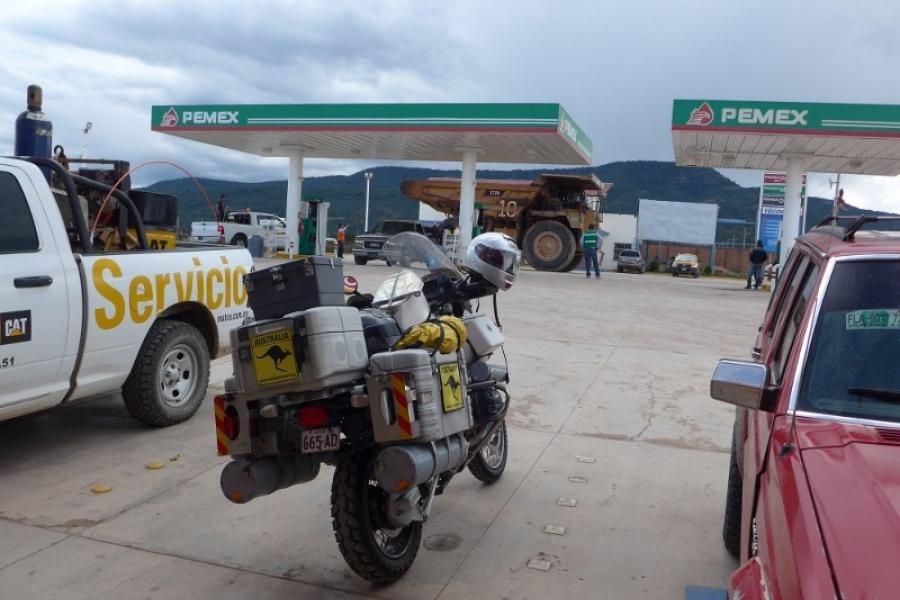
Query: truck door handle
(33,281)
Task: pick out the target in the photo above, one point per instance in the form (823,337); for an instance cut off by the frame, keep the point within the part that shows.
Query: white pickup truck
(77,321)
(239,226)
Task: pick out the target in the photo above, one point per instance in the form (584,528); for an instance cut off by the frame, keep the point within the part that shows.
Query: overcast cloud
(615,67)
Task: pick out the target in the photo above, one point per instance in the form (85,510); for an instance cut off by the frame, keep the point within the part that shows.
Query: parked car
(368,246)
(631,260)
(813,497)
(686,264)
(238,227)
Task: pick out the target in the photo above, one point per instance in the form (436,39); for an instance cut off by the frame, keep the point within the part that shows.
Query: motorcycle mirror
(350,284)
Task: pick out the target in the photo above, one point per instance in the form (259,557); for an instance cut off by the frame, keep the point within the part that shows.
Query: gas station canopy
(496,133)
(502,133)
(787,136)
(833,138)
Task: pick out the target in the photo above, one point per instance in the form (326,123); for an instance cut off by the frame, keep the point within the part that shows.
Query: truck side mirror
(741,383)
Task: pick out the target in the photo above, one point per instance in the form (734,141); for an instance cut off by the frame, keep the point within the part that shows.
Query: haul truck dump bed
(546,216)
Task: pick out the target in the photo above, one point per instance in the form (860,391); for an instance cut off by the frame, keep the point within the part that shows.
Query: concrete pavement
(610,409)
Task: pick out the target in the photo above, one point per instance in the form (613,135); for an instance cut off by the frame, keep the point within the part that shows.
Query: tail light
(231,424)
(311,417)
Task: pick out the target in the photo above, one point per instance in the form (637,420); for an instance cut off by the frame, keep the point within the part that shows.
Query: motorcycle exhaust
(400,468)
(244,479)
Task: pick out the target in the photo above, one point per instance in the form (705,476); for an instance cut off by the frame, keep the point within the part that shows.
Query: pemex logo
(170,119)
(702,115)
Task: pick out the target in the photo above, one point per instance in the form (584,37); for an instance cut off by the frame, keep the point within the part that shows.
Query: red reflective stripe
(401,402)
(221,439)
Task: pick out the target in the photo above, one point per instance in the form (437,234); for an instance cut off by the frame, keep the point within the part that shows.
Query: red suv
(813,500)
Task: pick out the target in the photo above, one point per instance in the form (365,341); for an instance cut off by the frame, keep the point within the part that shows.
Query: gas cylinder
(34,131)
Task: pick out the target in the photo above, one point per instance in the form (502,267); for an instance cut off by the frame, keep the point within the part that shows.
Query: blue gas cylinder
(34,131)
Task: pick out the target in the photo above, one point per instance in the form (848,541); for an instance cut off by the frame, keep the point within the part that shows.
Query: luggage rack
(857,222)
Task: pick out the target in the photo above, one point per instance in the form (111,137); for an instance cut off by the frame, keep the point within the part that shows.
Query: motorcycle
(394,390)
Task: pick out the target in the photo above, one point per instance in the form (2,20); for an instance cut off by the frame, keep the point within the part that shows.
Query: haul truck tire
(549,246)
(169,378)
(376,551)
(578,260)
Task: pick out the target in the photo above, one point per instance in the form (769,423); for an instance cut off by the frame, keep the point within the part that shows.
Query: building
(620,234)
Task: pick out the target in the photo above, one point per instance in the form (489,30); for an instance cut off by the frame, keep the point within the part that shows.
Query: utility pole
(838,196)
(84,140)
(368,175)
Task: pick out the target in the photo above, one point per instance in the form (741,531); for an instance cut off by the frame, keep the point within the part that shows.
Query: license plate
(273,356)
(373,245)
(320,440)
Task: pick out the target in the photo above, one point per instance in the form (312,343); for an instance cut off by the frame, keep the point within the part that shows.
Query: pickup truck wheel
(374,549)
(169,378)
(549,246)
(731,528)
(239,240)
(360,260)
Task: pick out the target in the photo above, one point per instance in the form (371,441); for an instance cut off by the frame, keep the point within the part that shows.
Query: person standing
(758,257)
(590,243)
(221,208)
(341,236)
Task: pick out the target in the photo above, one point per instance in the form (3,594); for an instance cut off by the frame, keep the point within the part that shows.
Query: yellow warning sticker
(451,387)
(273,356)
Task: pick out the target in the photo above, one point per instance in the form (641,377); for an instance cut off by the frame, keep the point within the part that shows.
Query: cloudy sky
(615,66)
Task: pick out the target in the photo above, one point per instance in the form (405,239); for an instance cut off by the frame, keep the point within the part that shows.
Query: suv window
(631,253)
(783,289)
(806,283)
(17,231)
(856,343)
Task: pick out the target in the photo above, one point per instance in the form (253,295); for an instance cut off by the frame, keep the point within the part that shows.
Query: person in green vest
(590,243)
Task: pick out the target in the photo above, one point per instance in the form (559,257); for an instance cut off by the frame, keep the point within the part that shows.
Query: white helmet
(495,257)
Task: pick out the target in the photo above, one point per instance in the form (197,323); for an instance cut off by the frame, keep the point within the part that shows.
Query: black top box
(297,285)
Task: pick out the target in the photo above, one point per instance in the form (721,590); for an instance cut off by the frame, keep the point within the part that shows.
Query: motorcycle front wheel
(376,551)
(490,462)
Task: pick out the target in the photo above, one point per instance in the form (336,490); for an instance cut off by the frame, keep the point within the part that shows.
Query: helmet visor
(499,259)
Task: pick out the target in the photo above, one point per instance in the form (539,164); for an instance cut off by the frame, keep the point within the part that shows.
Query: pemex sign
(871,120)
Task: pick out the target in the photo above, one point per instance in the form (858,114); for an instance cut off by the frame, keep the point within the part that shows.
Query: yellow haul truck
(546,216)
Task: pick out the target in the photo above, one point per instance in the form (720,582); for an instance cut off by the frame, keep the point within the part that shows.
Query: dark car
(631,260)
(368,246)
(813,497)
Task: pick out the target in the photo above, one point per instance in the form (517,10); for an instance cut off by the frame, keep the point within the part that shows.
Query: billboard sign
(677,222)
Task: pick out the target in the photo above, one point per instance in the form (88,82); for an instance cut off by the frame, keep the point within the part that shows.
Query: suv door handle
(33,281)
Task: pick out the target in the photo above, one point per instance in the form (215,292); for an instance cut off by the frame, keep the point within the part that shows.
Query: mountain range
(631,180)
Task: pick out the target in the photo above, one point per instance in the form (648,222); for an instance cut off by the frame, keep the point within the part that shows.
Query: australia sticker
(702,115)
(15,327)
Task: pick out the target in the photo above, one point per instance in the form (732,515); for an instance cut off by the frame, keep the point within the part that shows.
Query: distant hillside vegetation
(632,180)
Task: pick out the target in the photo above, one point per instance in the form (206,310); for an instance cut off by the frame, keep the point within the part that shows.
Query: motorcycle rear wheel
(374,550)
(489,464)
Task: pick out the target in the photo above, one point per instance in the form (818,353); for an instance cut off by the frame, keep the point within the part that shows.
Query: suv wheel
(360,260)
(731,527)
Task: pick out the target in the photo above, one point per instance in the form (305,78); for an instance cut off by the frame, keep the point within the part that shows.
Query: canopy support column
(790,226)
(467,199)
(292,209)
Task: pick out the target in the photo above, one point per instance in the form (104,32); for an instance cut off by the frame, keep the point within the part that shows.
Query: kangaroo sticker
(273,357)
(451,387)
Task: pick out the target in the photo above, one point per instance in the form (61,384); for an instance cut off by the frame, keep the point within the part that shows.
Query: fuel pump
(314,227)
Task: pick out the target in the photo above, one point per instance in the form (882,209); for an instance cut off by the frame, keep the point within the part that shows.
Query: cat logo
(15,327)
